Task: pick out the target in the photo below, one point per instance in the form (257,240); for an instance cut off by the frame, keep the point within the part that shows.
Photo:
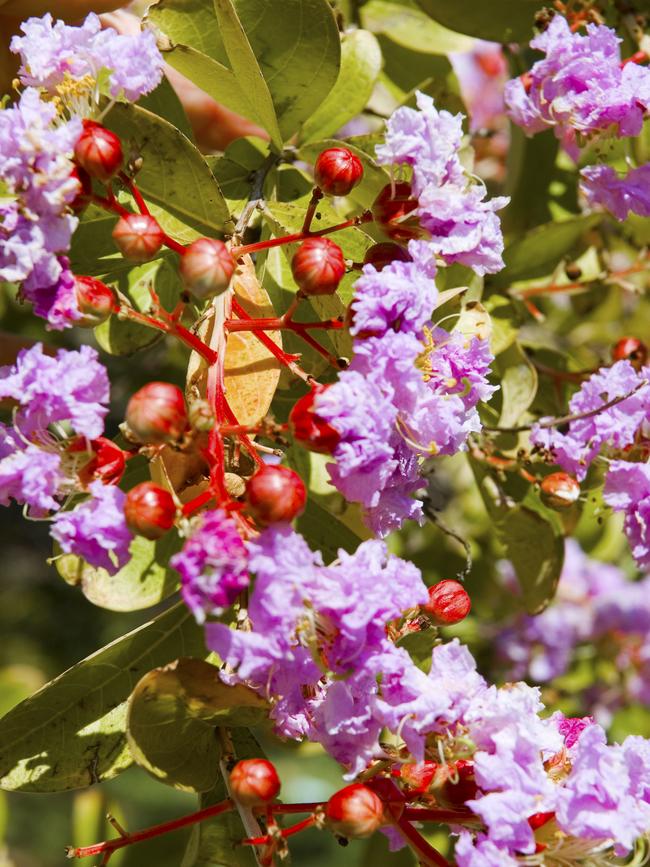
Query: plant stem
(300,236)
(135,192)
(283,357)
(169,326)
(316,196)
(286,832)
(423,850)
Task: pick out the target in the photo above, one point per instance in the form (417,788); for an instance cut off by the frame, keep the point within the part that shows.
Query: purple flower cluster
(627,490)
(461,225)
(52,396)
(580,88)
(35,222)
(212,565)
(602,187)
(53,53)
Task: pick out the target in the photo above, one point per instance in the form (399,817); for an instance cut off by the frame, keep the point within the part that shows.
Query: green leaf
(411,28)
(174,174)
(234,169)
(164,102)
(146,579)
(325,532)
(497,21)
(122,337)
(188,22)
(531,170)
(172,716)
(503,315)
(360,66)
(71,733)
(518,380)
(93,251)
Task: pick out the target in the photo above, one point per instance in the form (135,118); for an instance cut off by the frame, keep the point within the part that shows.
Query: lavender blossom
(602,187)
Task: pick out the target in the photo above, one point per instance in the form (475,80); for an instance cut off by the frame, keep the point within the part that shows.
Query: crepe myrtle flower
(602,187)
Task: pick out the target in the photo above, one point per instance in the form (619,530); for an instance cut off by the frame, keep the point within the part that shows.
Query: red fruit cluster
(207,267)
(254,782)
(275,494)
(355,811)
(318,266)
(448,603)
(156,413)
(149,510)
(95,301)
(338,171)
(98,151)
(138,237)
(308,428)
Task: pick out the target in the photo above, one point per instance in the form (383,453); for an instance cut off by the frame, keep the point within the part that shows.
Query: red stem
(198,502)
(155,831)
(316,196)
(299,236)
(110,205)
(286,832)
(283,357)
(246,441)
(279,323)
(421,814)
(170,327)
(295,808)
(135,192)
(423,850)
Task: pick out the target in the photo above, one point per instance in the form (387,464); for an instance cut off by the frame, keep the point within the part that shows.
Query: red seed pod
(98,151)
(275,494)
(559,491)
(95,301)
(207,267)
(355,811)
(318,266)
(254,782)
(631,349)
(381,255)
(337,171)
(391,209)
(308,428)
(156,413)
(107,461)
(138,237)
(82,199)
(448,603)
(149,510)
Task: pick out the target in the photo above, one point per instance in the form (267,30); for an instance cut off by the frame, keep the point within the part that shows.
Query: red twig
(282,356)
(135,192)
(286,832)
(423,850)
(300,236)
(316,196)
(169,326)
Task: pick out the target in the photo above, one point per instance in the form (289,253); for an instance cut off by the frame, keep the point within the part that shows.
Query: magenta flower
(602,187)
(627,490)
(28,474)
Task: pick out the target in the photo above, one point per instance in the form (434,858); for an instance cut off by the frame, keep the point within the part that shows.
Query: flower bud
(149,510)
(308,428)
(206,267)
(156,413)
(95,301)
(391,209)
(254,782)
(200,415)
(318,266)
(538,820)
(98,151)
(381,255)
(448,603)
(138,237)
(337,171)
(418,777)
(355,811)
(631,349)
(275,494)
(559,491)
(107,460)
(82,199)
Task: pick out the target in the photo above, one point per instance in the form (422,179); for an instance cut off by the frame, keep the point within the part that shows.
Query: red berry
(156,413)
(254,782)
(381,255)
(338,171)
(308,428)
(355,811)
(98,151)
(82,199)
(207,267)
(559,491)
(149,510)
(631,349)
(448,603)
(275,494)
(318,266)
(391,210)
(95,301)
(138,237)
(107,461)
(538,820)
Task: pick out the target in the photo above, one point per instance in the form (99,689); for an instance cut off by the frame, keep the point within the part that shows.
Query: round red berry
(559,491)
(138,237)
(98,151)
(275,494)
(318,266)
(381,255)
(338,171)
(206,267)
(631,349)
(355,811)
(95,301)
(156,413)
(149,510)
(448,603)
(391,210)
(254,782)
(308,428)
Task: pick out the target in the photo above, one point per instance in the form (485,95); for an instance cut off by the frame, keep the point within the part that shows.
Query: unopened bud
(559,491)
(381,255)
(82,199)
(338,171)
(275,495)
(448,603)
(308,428)
(254,782)
(200,415)
(95,301)
(149,510)
(355,811)
(631,349)
(156,413)
(318,266)
(138,237)
(391,210)
(206,267)
(107,461)
(98,151)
